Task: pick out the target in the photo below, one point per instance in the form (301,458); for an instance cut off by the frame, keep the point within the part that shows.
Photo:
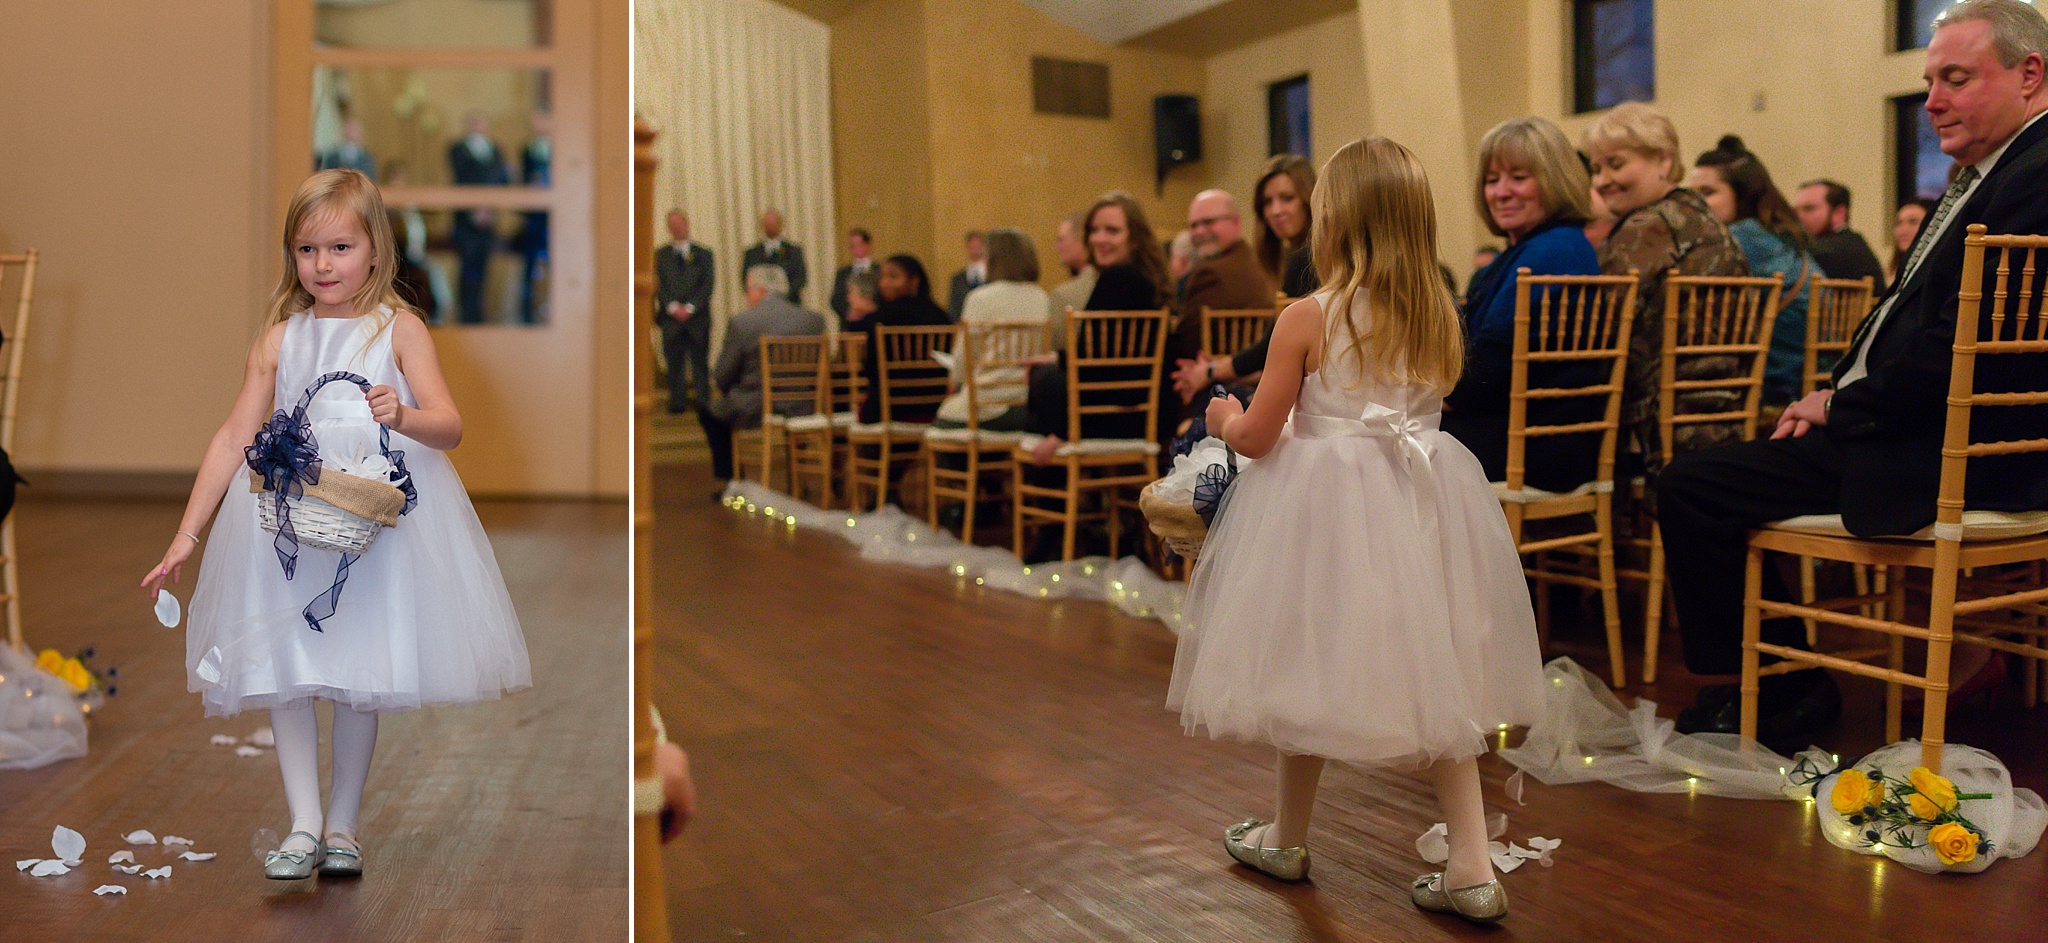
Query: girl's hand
(384,405)
(173,562)
(1222,410)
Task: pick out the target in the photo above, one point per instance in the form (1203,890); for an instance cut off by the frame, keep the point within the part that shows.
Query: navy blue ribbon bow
(287,458)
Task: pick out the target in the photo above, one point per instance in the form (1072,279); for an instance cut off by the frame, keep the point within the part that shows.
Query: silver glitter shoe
(1480,903)
(284,865)
(341,861)
(1287,864)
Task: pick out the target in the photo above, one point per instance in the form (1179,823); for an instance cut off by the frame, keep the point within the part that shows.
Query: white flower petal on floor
(120,856)
(247,751)
(223,740)
(105,889)
(1542,847)
(198,855)
(1504,858)
(128,868)
(1497,825)
(140,836)
(26,863)
(162,872)
(48,867)
(263,737)
(176,840)
(68,844)
(1434,845)
(1515,785)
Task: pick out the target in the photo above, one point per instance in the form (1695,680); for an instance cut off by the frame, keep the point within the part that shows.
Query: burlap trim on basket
(1178,526)
(365,498)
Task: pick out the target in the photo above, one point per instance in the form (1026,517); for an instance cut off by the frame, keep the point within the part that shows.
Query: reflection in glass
(468,24)
(473,265)
(366,117)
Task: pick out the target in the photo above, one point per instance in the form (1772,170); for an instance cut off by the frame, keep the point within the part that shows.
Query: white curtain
(741,93)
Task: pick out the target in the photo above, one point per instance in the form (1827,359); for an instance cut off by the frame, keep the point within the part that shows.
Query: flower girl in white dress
(1358,597)
(344,380)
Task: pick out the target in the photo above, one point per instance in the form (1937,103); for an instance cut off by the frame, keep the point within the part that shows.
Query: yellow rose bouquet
(92,688)
(1877,811)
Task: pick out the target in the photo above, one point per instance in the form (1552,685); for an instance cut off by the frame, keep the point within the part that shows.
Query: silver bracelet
(195,538)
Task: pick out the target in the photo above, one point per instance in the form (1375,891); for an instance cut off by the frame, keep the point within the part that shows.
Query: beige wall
(136,159)
(1234,98)
(992,160)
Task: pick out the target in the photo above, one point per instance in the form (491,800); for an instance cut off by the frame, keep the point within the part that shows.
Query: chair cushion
(1534,495)
(963,435)
(1977,525)
(887,428)
(1092,446)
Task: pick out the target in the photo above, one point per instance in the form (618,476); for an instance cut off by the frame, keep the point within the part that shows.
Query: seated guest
(1905,225)
(1130,276)
(906,302)
(1740,194)
(1532,191)
(1180,259)
(1869,449)
(1225,275)
(1070,240)
(1481,258)
(1011,296)
(1659,226)
(737,375)
(860,252)
(1282,195)
(1823,208)
(863,296)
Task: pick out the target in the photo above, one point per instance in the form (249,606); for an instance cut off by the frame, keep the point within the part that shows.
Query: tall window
(1287,117)
(1613,53)
(1921,167)
(1915,20)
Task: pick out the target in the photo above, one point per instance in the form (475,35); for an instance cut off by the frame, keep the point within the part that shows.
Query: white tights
(298,757)
(1457,794)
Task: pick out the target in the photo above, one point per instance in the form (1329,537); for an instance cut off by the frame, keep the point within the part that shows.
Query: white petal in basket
(120,856)
(168,611)
(69,845)
(199,855)
(105,889)
(140,836)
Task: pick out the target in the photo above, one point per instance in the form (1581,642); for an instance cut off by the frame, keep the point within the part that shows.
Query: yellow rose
(75,675)
(1932,795)
(1952,843)
(49,660)
(1853,791)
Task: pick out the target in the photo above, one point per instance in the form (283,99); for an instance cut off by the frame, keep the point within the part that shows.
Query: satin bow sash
(1380,422)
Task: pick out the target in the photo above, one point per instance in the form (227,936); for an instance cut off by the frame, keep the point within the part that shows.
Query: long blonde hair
(340,191)
(1373,229)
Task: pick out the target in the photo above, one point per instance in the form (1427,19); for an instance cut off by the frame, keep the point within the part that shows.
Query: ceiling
(1196,28)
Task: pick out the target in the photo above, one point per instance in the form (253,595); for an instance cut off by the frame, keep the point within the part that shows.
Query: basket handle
(383,431)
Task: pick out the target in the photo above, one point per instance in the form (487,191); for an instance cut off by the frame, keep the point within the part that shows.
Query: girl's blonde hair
(1373,229)
(340,191)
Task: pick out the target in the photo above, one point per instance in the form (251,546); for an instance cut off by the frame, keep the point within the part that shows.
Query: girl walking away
(342,420)
(1358,597)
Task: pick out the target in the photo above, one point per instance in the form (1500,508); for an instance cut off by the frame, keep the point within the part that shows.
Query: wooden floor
(885,754)
(499,821)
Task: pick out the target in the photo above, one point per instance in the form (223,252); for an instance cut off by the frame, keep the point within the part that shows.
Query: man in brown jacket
(1226,275)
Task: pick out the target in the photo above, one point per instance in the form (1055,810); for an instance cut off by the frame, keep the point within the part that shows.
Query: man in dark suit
(474,160)
(1823,208)
(772,250)
(738,373)
(1869,450)
(536,169)
(971,276)
(350,153)
(683,277)
(860,247)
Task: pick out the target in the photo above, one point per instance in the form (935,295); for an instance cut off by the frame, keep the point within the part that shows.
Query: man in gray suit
(738,373)
(683,277)
(772,250)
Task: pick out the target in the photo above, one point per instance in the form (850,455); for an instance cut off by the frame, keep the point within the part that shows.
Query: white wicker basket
(323,524)
(318,524)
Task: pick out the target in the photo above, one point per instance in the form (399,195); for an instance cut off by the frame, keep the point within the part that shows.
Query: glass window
(1613,53)
(396,24)
(1287,127)
(1922,169)
(371,118)
(1916,22)
(474,265)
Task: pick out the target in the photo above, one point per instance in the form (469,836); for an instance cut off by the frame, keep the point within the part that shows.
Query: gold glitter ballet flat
(343,860)
(1287,864)
(284,865)
(1480,903)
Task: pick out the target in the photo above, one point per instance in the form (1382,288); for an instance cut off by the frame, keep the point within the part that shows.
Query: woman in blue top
(1533,191)
(1739,193)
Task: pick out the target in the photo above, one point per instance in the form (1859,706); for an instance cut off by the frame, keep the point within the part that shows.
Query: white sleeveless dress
(423,617)
(1358,596)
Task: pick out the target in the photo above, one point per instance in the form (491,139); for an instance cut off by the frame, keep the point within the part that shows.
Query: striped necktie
(1930,233)
(1950,199)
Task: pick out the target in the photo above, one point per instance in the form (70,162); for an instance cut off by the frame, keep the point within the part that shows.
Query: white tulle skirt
(424,617)
(1341,610)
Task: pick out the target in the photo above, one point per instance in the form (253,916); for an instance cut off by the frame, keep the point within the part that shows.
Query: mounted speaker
(1176,132)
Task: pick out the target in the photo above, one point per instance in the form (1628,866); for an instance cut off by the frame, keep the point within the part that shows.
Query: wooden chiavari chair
(650,882)
(1835,308)
(1959,540)
(1567,325)
(17,274)
(817,442)
(1226,331)
(994,359)
(1113,364)
(792,385)
(910,382)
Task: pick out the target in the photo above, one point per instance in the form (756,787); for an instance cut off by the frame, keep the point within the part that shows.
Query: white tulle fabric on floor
(40,720)
(891,536)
